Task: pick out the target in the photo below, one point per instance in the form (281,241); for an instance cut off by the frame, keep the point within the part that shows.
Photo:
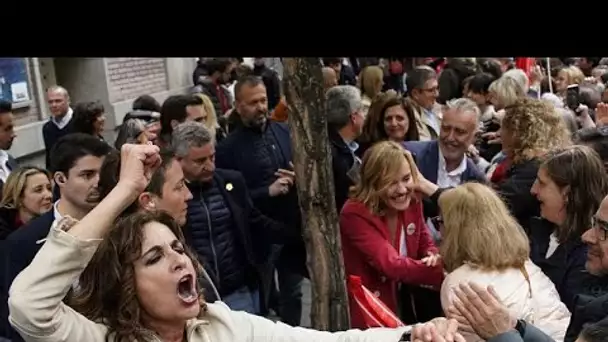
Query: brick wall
(132,77)
(31,113)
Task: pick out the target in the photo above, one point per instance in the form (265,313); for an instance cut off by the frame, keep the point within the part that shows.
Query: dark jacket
(258,155)
(8,222)
(206,86)
(11,164)
(426,155)
(531,334)
(241,253)
(20,248)
(51,133)
(565,267)
(588,310)
(515,191)
(347,76)
(271,82)
(342,161)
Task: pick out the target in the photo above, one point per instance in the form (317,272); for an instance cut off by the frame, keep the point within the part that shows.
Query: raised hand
(601,114)
(137,165)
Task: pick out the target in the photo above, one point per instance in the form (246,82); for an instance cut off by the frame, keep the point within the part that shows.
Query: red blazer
(369,254)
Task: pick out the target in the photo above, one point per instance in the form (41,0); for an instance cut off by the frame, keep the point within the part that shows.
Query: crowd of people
(471,197)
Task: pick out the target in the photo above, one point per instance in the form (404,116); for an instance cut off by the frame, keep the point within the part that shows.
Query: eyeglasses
(601,228)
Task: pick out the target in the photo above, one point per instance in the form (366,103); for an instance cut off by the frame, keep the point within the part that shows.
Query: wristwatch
(520,327)
(407,335)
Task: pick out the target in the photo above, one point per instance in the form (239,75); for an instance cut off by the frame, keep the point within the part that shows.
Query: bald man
(330,78)
(59,122)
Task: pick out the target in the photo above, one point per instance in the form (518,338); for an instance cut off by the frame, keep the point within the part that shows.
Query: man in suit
(7,135)
(223,227)
(444,161)
(60,122)
(76,162)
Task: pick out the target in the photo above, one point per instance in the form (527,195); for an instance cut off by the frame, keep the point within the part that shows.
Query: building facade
(116,82)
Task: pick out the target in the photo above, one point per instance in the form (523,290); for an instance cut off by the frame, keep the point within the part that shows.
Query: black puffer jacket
(213,235)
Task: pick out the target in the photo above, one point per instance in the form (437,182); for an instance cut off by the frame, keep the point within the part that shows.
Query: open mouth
(400,198)
(186,290)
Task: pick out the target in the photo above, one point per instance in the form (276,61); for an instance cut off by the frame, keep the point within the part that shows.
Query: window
(14,84)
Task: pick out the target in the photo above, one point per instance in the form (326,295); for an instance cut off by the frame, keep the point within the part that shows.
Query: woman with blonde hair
(567,76)
(385,241)
(148,289)
(26,194)
(371,82)
(484,244)
(218,133)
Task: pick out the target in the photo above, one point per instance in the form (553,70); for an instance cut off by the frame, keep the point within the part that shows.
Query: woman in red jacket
(384,238)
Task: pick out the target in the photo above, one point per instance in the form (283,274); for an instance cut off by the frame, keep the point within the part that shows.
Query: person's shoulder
(34,230)
(418,146)
(230,175)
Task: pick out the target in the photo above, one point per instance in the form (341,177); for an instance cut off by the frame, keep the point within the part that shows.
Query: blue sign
(14,85)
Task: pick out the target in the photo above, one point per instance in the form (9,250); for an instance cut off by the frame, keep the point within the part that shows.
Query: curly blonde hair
(536,128)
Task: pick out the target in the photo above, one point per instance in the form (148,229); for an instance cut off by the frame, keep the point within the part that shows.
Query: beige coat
(39,315)
(536,302)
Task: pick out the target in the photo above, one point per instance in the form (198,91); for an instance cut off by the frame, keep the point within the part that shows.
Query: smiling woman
(382,226)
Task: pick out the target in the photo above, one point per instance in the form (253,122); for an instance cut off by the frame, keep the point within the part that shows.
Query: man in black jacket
(60,122)
(271,81)
(345,122)
(261,150)
(223,227)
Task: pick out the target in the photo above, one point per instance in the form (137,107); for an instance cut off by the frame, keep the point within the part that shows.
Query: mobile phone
(572,97)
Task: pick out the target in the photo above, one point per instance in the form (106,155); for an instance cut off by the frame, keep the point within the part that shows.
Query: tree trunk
(303,85)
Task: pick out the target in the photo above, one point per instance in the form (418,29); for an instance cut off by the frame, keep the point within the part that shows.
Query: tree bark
(304,93)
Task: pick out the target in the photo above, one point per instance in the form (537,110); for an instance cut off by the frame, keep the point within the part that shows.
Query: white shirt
(65,120)
(452,178)
(553,244)
(4,170)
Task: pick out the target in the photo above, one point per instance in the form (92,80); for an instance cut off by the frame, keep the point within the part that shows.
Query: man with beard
(7,135)
(76,161)
(219,75)
(261,150)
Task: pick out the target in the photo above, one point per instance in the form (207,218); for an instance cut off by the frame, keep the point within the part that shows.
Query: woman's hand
(431,260)
(601,114)
(137,165)
(437,330)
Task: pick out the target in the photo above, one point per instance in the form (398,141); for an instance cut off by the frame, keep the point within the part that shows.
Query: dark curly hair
(107,292)
(85,115)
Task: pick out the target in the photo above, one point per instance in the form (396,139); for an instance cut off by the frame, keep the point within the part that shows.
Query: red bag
(375,313)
